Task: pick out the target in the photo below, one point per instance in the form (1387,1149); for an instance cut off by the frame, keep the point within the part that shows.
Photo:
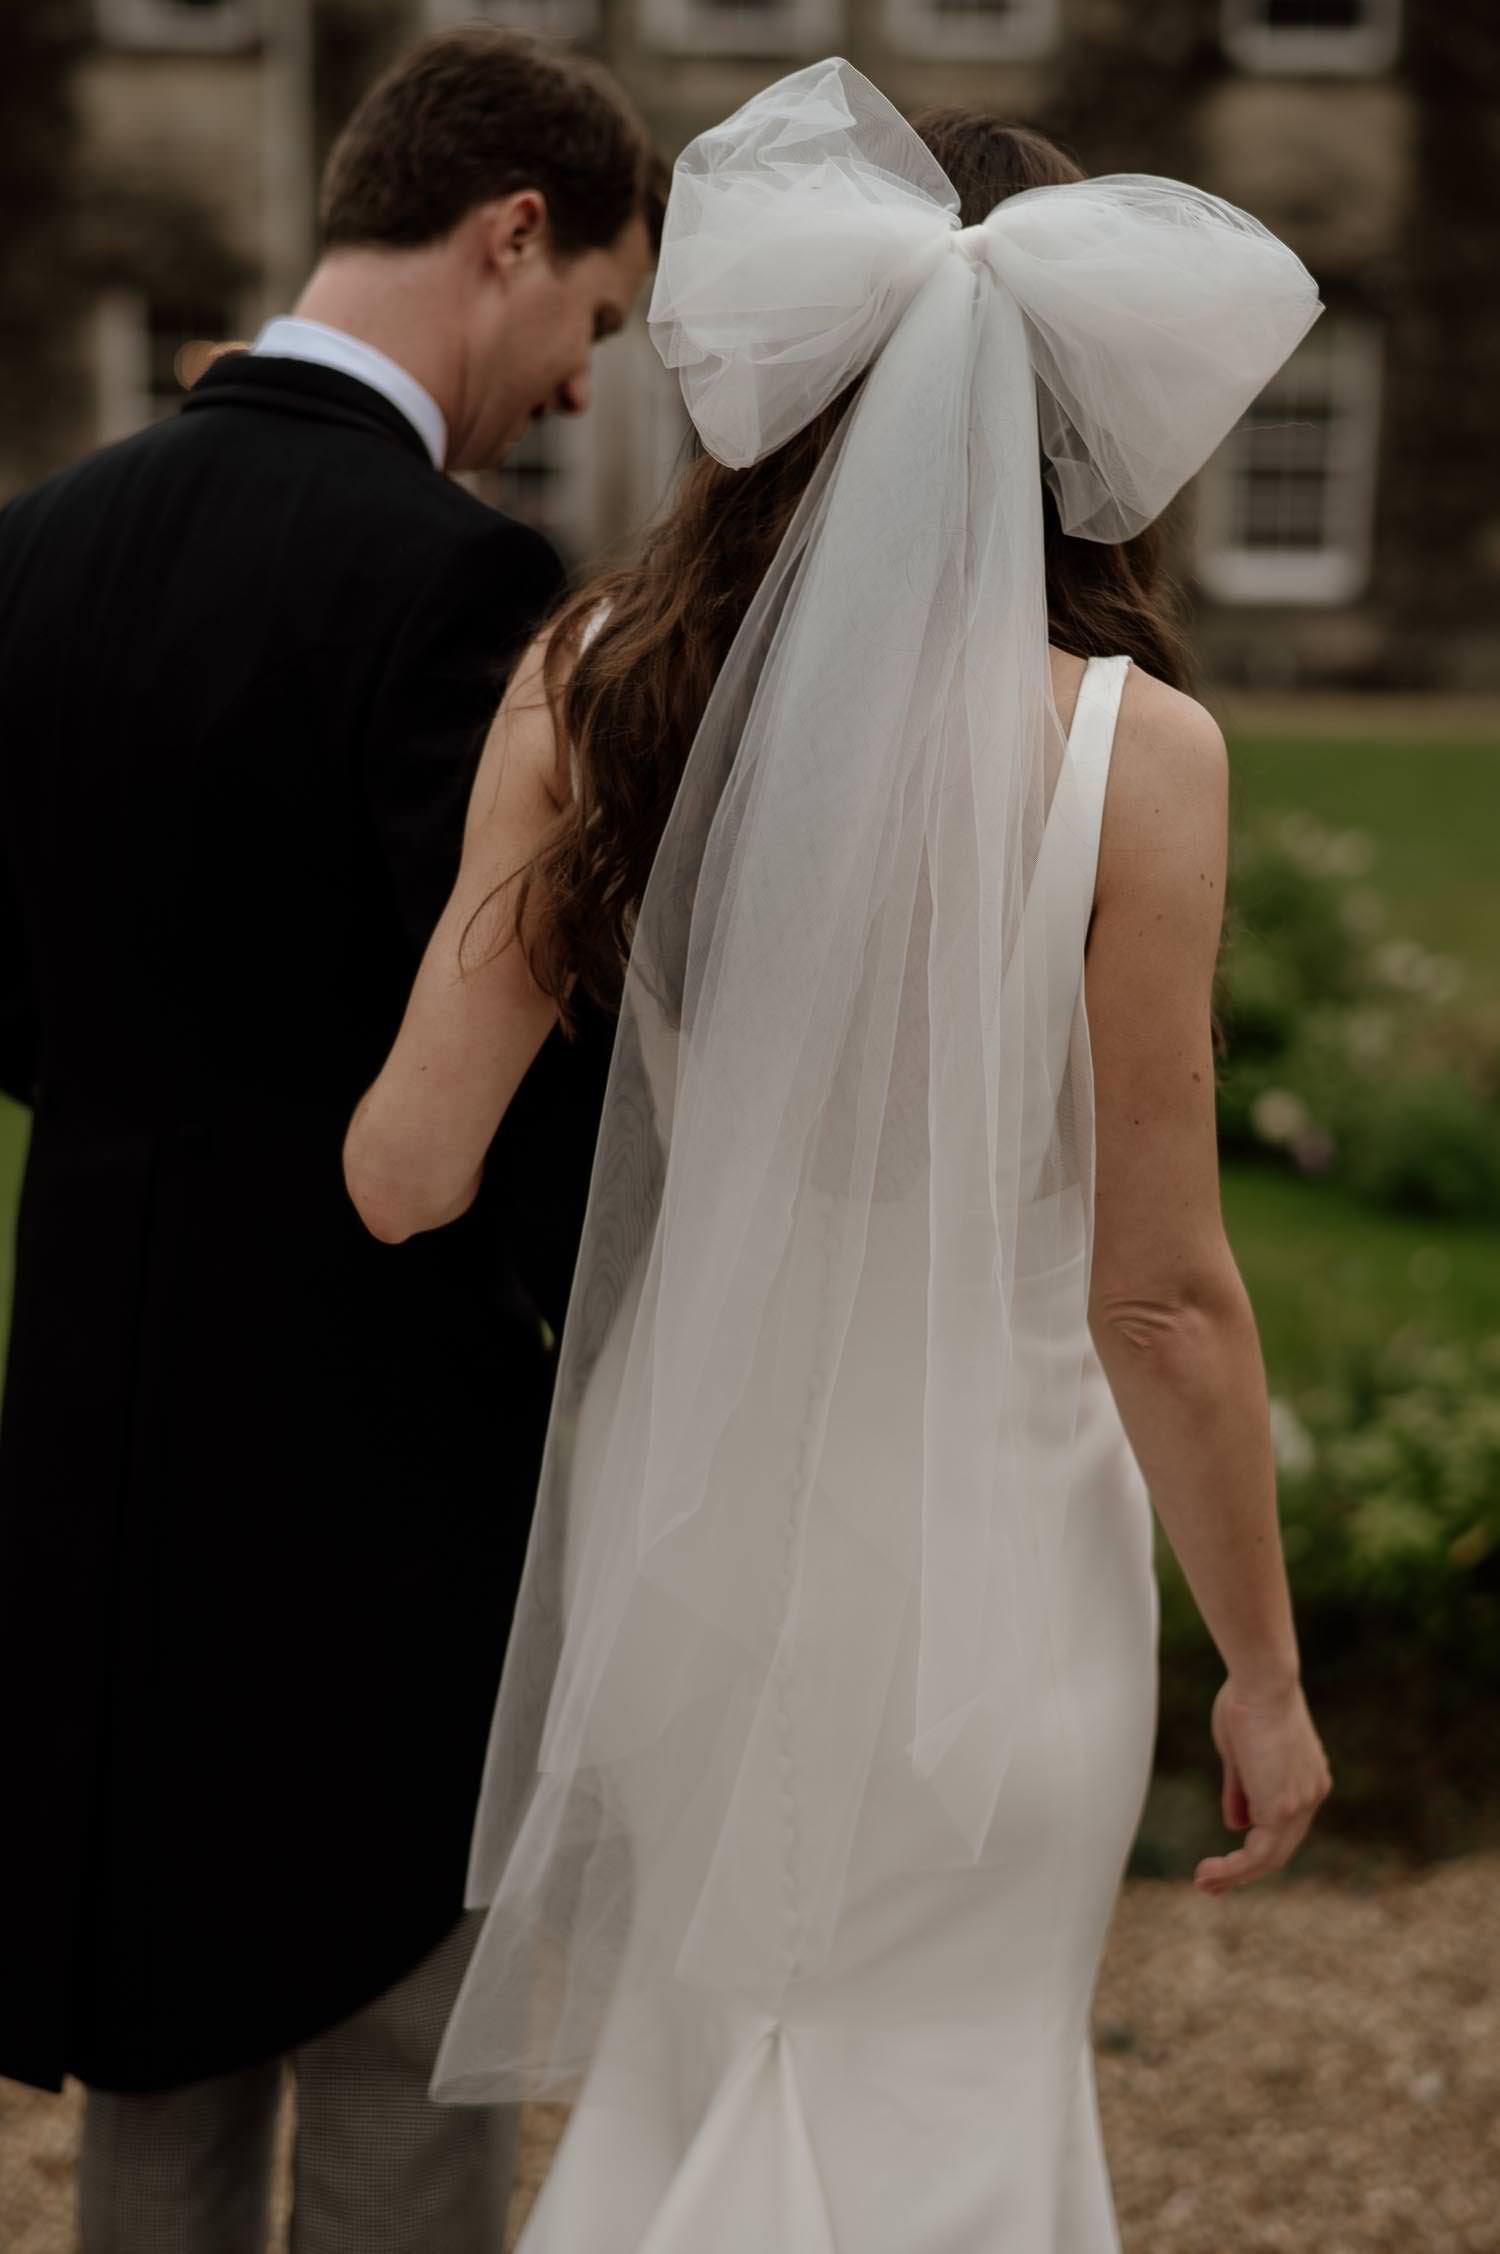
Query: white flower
(1367,1037)
(1362,912)
(1291,1442)
(1402,963)
(1279,1116)
(1351,853)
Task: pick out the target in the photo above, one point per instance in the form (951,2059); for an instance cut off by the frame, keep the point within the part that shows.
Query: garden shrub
(1390,1510)
(1348,1051)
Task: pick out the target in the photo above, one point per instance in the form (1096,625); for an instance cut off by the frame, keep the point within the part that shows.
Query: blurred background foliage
(1360,1129)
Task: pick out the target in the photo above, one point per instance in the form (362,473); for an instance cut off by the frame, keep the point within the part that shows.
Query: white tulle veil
(850,1086)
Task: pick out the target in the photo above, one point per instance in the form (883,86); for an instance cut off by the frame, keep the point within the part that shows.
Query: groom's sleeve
(20,1025)
(543,1157)
(20,1022)
(439,692)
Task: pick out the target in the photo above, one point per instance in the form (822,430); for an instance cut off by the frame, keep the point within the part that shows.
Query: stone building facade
(1349,530)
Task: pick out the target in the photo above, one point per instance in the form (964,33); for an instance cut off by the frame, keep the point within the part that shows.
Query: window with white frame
(743,27)
(972,30)
(1312,35)
(555,19)
(180,26)
(148,353)
(1286,507)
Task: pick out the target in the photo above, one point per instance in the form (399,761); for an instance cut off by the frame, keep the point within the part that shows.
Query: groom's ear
(514,231)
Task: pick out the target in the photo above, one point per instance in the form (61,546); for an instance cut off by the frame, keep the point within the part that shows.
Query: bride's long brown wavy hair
(628,703)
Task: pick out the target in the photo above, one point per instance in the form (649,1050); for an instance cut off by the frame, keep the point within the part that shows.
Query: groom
(265,1483)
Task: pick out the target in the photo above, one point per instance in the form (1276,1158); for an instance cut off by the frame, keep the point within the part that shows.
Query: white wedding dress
(928,2089)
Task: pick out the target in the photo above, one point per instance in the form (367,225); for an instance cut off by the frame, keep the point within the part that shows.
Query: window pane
(1314,15)
(1282,465)
(194,26)
(1281,513)
(960,30)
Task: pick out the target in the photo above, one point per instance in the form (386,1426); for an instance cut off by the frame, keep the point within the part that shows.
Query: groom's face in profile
(547,315)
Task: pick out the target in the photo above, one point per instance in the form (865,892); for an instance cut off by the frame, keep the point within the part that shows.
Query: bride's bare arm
(1169,1311)
(415,1150)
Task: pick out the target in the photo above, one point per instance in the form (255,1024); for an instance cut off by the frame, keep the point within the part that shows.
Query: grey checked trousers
(377,2167)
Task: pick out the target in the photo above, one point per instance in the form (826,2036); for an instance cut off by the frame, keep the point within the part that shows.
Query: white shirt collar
(291,338)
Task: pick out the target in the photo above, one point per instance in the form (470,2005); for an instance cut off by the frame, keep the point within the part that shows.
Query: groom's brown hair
(479,113)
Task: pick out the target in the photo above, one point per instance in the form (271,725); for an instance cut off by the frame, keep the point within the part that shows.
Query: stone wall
(42,381)
(1440,551)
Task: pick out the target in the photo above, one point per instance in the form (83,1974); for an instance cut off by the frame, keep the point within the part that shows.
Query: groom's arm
(20,1024)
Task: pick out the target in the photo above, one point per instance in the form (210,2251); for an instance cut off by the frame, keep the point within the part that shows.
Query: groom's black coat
(264,1482)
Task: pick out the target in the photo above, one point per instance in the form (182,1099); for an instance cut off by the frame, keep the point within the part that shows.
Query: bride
(828,1706)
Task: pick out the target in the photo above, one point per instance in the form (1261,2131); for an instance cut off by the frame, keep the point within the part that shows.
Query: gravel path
(1306,2067)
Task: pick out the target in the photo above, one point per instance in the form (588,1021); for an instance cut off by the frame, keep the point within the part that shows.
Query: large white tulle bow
(789,1616)
(801,230)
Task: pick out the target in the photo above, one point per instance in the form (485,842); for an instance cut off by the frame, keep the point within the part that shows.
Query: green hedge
(1352,1053)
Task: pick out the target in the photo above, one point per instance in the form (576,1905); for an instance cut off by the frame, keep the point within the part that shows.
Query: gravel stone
(1306,2065)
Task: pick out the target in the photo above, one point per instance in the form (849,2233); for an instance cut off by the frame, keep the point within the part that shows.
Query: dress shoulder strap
(1069,863)
(592,625)
(1062,892)
(594,622)
(1091,740)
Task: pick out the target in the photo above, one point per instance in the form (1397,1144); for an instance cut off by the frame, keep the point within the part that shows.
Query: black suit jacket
(265,1484)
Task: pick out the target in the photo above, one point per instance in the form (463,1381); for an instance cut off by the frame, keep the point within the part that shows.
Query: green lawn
(1328,1275)
(1325,1271)
(1432,811)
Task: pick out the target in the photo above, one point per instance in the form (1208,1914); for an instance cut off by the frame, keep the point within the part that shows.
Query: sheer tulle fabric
(850,1088)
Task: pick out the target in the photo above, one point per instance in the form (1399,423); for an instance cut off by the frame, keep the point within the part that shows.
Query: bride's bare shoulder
(1169,771)
(524,763)
(536,696)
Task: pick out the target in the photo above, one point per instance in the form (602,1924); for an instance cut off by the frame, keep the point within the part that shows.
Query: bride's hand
(1276,1778)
